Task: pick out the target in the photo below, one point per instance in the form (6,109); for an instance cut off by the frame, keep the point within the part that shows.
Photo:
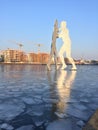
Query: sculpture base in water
(48,67)
(64,67)
(73,69)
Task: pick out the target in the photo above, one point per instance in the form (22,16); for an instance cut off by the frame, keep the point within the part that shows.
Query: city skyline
(31,23)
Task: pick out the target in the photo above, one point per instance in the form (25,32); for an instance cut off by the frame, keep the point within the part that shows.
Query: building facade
(11,55)
(41,58)
(17,56)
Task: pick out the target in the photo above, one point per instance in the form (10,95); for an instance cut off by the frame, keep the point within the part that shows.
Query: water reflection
(64,85)
(20,71)
(8,68)
(11,71)
(61,83)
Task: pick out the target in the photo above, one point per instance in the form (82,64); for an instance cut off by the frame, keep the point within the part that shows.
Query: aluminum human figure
(53,52)
(66,47)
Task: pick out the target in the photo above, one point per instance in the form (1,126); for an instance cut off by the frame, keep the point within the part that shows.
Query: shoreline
(92,122)
(35,63)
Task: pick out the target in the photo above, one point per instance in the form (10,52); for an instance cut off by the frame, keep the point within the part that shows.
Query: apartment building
(17,56)
(11,55)
(38,58)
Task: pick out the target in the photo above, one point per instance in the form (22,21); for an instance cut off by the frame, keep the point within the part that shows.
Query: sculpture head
(63,24)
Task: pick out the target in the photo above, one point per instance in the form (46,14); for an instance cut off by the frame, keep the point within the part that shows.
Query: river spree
(32,98)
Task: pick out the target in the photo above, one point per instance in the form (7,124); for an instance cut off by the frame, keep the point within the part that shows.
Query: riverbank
(36,63)
(22,63)
(92,124)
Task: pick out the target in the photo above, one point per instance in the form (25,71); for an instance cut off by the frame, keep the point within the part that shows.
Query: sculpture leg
(61,52)
(63,61)
(55,59)
(73,63)
(48,65)
(68,55)
(49,61)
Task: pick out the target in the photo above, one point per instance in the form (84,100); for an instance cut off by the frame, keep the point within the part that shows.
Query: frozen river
(32,98)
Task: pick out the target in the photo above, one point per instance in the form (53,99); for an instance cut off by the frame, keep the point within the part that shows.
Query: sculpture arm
(59,35)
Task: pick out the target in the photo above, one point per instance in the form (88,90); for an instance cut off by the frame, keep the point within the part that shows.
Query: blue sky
(31,22)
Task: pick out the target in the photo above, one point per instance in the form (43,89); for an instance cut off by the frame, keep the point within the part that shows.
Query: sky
(31,22)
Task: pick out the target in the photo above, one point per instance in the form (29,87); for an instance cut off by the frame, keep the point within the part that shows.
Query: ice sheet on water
(93,106)
(38,100)
(84,100)
(61,115)
(28,127)
(6,126)
(80,106)
(10,109)
(39,120)
(68,100)
(50,100)
(80,123)
(83,115)
(95,100)
(60,125)
(37,110)
(38,90)
(39,123)
(28,100)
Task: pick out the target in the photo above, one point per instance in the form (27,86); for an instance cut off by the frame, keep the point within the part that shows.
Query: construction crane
(39,45)
(19,44)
